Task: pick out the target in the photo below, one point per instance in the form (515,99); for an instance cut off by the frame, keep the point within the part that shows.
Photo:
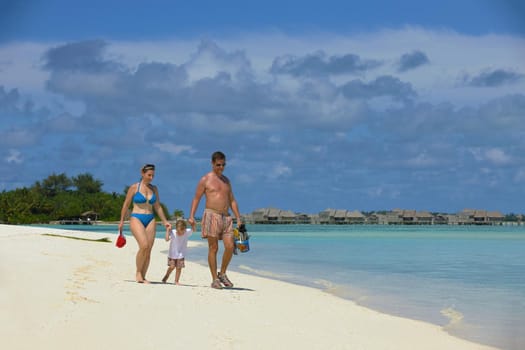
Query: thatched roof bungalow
(355,217)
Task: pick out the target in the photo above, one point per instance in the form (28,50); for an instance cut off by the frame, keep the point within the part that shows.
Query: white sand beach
(60,293)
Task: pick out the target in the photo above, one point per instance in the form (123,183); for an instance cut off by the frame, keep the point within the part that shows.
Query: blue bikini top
(139,197)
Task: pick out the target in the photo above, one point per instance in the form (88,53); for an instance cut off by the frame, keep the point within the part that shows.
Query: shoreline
(100,222)
(64,289)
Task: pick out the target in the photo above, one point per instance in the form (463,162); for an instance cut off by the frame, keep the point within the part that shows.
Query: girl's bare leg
(177,275)
(167,275)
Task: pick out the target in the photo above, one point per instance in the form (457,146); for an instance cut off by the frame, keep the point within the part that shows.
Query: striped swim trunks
(216,225)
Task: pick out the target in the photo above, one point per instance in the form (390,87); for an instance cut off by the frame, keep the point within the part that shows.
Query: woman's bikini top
(139,197)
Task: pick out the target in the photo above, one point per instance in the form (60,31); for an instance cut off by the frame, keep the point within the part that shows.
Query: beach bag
(241,239)
(121,240)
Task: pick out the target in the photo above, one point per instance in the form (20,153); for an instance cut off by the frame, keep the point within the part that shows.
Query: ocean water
(468,279)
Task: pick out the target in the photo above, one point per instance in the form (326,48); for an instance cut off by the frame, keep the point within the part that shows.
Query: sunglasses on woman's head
(148,167)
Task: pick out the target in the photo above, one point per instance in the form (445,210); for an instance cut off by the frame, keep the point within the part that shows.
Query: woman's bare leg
(150,237)
(140,234)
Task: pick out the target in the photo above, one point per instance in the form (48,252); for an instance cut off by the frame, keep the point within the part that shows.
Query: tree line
(60,197)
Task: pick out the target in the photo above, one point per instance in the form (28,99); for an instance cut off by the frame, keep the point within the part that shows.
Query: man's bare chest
(217,185)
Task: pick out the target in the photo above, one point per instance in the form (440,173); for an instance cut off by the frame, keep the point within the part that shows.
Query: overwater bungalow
(331,216)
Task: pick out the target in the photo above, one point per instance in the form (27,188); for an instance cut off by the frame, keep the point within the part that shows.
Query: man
(217,224)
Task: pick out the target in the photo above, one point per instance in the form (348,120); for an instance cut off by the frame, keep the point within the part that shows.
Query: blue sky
(369,105)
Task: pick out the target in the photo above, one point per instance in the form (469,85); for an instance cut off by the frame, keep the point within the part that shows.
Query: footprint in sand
(82,275)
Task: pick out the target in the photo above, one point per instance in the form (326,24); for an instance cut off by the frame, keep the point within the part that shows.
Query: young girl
(178,247)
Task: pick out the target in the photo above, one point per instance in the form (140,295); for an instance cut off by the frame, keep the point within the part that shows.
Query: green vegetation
(59,197)
(177,213)
(104,240)
(512,217)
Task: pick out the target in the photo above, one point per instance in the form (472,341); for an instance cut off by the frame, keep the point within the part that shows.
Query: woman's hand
(168,230)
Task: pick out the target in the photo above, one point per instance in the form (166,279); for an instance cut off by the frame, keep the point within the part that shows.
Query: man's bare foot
(165,279)
(177,283)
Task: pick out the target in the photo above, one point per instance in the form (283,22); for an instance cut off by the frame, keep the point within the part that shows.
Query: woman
(145,198)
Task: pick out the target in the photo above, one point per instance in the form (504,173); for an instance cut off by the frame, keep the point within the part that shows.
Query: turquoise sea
(468,279)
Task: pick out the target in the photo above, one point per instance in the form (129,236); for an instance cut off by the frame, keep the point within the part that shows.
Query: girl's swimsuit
(139,198)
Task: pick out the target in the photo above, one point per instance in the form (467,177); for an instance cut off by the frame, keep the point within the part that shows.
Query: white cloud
(20,65)
(19,137)
(493,155)
(279,170)
(375,192)
(173,148)
(244,179)
(497,156)
(210,60)
(422,160)
(14,156)
(451,54)
(520,175)
(274,139)
(282,125)
(383,192)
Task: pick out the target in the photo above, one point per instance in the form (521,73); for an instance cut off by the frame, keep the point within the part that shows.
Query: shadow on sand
(192,285)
